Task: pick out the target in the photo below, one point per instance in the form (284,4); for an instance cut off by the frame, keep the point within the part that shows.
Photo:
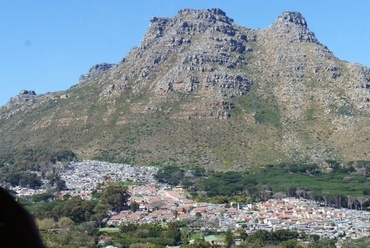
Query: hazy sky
(46,45)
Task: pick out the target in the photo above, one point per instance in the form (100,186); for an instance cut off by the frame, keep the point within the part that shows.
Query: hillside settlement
(160,203)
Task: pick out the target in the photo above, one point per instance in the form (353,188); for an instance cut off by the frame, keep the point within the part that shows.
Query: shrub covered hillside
(200,89)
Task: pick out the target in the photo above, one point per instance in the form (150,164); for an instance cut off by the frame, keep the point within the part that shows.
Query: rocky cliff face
(202,89)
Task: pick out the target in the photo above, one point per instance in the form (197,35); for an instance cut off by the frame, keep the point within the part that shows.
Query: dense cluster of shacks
(85,175)
(158,203)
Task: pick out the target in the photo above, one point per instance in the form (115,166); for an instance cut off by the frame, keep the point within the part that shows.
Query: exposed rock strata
(202,89)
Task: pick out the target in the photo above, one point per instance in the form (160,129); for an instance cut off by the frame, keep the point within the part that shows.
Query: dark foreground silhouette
(17,227)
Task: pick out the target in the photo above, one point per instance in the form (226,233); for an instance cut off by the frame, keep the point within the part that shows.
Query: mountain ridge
(200,89)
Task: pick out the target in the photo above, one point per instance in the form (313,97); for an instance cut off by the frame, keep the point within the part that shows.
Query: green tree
(30,180)
(198,171)
(63,156)
(241,233)
(60,185)
(199,243)
(42,197)
(100,212)
(171,174)
(173,232)
(78,210)
(129,228)
(134,206)
(46,224)
(65,222)
(185,235)
(281,235)
(229,238)
(116,196)
(55,180)
(291,244)
(262,236)
(322,243)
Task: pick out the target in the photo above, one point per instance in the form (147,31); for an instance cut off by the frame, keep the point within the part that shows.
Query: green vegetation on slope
(344,186)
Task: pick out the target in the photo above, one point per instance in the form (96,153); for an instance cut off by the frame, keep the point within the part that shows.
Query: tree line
(111,198)
(335,185)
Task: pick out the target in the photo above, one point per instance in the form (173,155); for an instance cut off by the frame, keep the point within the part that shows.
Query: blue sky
(46,45)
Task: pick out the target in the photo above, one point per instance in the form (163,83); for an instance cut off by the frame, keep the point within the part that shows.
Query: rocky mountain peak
(202,89)
(290,17)
(292,26)
(205,14)
(194,14)
(186,21)
(204,47)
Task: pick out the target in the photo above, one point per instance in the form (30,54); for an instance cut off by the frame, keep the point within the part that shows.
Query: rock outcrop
(200,89)
(95,71)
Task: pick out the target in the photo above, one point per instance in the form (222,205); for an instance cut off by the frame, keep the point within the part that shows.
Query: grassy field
(109,229)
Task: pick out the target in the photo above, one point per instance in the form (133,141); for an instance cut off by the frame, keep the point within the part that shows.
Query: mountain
(200,89)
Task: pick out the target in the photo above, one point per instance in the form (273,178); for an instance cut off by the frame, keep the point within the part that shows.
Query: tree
(241,233)
(134,206)
(60,185)
(173,232)
(260,236)
(322,243)
(187,184)
(13,178)
(100,212)
(42,197)
(362,200)
(129,228)
(290,244)
(198,171)
(198,215)
(78,210)
(55,180)
(199,243)
(27,180)
(65,222)
(284,235)
(185,235)
(63,155)
(116,196)
(45,224)
(142,245)
(171,174)
(315,238)
(350,201)
(229,238)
